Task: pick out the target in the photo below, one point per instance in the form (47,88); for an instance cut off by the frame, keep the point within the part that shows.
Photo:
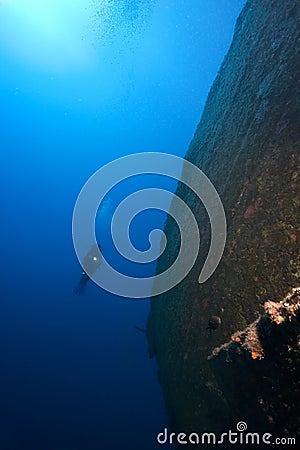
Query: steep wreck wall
(247,143)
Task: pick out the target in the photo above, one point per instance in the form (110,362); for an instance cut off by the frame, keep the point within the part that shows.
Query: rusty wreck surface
(247,143)
(265,359)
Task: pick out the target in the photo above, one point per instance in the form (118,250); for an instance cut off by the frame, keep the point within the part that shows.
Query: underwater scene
(150,224)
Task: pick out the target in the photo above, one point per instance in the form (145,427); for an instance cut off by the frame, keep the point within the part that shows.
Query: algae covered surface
(247,143)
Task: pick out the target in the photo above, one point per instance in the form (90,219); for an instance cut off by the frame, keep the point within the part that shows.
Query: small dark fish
(142,330)
(213,323)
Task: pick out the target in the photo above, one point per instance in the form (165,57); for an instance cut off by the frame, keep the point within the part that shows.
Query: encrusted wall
(247,143)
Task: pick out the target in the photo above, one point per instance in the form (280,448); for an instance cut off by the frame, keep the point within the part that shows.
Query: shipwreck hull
(247,143)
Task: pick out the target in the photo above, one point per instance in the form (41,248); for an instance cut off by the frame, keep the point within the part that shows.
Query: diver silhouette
(91,263)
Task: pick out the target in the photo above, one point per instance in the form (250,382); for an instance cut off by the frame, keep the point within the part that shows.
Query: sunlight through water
(48,33)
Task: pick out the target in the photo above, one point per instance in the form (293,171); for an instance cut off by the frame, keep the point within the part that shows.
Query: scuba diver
(91,263)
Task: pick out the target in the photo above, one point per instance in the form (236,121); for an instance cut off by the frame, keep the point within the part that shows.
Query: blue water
(83,83)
